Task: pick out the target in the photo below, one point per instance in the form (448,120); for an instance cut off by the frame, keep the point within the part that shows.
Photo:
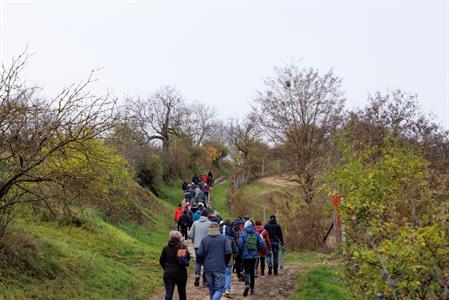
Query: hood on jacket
(214,229)
(259,228)
(250,229)
(272,221)
(203,219)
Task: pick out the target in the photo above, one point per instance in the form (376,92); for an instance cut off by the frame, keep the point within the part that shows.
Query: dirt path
(266,288)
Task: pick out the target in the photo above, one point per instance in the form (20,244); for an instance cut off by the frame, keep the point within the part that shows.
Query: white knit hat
(248,223)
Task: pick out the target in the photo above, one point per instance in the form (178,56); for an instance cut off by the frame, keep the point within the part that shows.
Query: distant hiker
(264,252)
(226,230)
(195,179)
(185,223)
(250,243)
(184,185)
(175,273)
(206,191)
(204,178)
(276,239)
(210,179)
(178,214)
(215,253)
(199,231)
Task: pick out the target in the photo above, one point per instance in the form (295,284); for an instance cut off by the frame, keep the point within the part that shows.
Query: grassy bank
(100,260)
(220,199)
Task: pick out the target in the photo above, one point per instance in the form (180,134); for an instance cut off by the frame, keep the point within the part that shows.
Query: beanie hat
(248,223)
(272,217)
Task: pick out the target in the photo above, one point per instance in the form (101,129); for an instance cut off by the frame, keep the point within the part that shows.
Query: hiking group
(221,248)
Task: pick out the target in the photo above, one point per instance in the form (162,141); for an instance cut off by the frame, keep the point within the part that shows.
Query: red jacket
(178,214)
(264,234)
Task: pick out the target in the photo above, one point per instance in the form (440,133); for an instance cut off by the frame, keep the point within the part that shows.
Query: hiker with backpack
(174,260)
(199,231)
(264,252)
(277,240)
(250,243)
(225,229)
(215,253)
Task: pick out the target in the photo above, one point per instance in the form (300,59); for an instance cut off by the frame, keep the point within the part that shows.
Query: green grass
(220,201)
(172,192)
(320,283)
(103,261)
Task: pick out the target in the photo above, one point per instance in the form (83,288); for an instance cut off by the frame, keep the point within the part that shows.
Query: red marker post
(336,201)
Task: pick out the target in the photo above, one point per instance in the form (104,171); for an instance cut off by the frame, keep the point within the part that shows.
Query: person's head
(204,213)
(227,222)
(248,223)
(258,223)
(180,204)
(273,217)
(175,235)
(246,218)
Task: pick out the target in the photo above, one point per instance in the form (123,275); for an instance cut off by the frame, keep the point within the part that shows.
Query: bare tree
(299,110)
(201,123)
(34,131)
(161,115)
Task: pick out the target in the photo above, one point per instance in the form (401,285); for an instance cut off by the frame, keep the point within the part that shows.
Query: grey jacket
(199,231)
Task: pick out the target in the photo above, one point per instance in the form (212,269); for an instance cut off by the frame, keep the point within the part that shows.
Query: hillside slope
(98,260)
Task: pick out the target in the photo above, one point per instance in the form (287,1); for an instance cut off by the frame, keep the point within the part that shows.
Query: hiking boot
(275,271)
(269,271)
(245,291)
(251,292)
(197,281)
(227,294)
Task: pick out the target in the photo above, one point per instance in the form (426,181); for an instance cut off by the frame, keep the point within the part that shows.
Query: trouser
(228,279)
(198,266)
(273,263)
(184,232)
(248,265)
(170,287)
(261,259)
(238,265)
(215,283)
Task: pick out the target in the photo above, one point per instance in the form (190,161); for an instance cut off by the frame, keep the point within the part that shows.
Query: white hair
(175,235)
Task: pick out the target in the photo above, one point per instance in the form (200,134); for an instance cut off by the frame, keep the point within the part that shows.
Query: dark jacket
(274,231)
(169,261)
(185,220)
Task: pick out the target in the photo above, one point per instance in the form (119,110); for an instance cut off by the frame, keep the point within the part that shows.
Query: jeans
(184,232)
(215,282)
(249,265)
(260,259)
(238,265)
(275,252)
(228,279)
(170,287)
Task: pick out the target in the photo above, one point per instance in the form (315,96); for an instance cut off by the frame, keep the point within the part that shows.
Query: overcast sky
(218,52)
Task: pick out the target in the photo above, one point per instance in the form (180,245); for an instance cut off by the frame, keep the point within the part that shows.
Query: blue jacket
(250,254)
(196,215)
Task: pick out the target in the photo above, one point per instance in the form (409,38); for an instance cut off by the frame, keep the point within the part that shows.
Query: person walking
(185,223)
(215,253)
(250,243)
(199,231)
(175,273)
(178,214)
(225,229)
(277,240)
(264,252)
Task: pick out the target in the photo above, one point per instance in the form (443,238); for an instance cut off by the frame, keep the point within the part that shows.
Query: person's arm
(227,251)
(162,259)
(192,233)
(267,241)
(281,236)
(201,253)
(260,242)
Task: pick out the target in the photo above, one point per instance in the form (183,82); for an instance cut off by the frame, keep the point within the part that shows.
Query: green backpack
(251,242)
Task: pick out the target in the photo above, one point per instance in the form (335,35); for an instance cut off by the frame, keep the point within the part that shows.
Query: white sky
(218,52)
